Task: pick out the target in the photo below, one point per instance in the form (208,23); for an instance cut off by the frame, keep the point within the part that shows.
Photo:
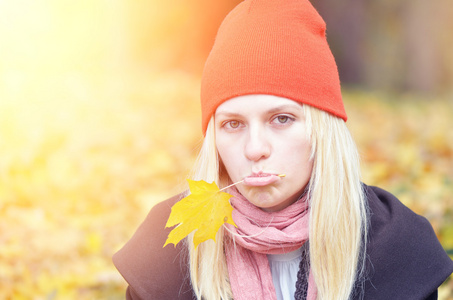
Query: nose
(257,145)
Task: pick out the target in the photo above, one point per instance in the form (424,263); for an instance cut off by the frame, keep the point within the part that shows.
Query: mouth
(262,179)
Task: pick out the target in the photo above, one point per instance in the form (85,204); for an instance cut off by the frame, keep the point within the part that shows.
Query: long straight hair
(338,213)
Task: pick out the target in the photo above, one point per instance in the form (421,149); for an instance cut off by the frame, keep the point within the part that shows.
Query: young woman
(271,105)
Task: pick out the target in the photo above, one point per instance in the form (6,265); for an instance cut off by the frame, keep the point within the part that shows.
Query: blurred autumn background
(99,120)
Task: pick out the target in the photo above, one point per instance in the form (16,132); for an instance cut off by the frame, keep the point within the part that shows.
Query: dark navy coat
(404,257)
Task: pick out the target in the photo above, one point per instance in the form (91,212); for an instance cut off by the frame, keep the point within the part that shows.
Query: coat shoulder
(152,271)
(404,258)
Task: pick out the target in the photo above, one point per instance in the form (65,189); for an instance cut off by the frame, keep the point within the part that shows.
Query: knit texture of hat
(273,47)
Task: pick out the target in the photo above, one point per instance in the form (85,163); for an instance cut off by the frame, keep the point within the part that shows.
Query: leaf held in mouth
(203,211)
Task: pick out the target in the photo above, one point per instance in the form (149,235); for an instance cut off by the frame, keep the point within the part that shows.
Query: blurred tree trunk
(397,45)
(346,22)
(422,59)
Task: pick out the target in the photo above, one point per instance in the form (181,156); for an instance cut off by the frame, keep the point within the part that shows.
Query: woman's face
(259,137)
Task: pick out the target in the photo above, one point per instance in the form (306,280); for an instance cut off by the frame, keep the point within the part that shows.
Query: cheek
(227,154)
(298,151)
(222,149)
(297,158)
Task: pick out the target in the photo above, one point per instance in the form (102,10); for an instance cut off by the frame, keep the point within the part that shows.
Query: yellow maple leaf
(204,210)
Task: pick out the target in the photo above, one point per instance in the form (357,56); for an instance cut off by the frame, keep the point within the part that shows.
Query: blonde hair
(338,213)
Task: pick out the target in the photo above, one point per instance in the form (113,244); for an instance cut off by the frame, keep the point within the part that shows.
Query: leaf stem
(231,185)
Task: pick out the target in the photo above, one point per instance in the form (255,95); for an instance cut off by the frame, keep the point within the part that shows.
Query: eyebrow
(283,107)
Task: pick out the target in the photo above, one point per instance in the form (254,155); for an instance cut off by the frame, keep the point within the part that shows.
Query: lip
(260,179)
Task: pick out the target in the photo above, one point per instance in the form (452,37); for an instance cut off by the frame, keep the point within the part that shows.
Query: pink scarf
(262,233)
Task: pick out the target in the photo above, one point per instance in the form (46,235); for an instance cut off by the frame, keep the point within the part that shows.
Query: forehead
(256,103)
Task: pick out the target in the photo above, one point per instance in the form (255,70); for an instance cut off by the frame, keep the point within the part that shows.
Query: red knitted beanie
(273,47)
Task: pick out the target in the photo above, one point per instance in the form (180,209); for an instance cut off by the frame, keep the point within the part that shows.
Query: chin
(264,200)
